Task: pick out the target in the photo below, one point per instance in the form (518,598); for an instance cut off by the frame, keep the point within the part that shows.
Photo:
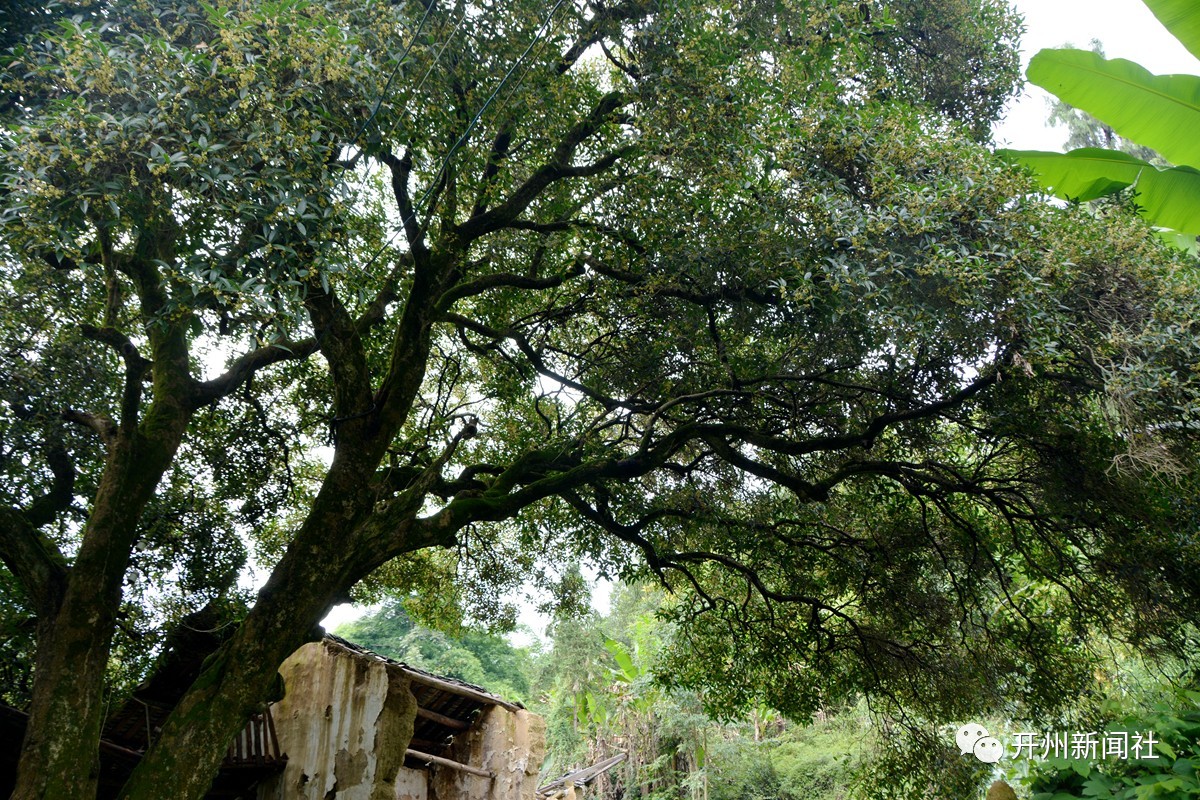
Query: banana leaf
(1159,111)
(1169,198)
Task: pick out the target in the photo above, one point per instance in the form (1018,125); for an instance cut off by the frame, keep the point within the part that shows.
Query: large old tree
(435,295)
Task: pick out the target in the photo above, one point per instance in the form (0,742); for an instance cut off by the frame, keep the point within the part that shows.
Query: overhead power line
(467,133)
(436,59)
(395,71)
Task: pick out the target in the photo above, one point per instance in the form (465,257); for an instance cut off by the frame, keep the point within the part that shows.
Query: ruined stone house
(355,725)
(352,725)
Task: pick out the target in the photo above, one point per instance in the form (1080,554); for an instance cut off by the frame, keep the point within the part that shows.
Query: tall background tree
(437,296)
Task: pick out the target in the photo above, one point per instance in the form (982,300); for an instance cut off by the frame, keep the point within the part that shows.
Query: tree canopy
(438,296)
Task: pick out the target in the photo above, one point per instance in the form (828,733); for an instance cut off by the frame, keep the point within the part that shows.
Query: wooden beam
(445,762)
(582,777)
(459,689)
(442,719)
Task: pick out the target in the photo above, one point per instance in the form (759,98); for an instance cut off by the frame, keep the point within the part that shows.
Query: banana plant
(1161,112)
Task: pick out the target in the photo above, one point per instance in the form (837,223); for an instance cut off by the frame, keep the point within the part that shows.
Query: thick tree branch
(606,19)
(43,510)
(34,561)
(390,523)
(248,364)
(726,292)
(498,153)
(136,368)
(115,339)
(863,438)
(101,424)
(539,364)
(624,237)
(401,169)
(798,486)
(251,362)
(339,342)
(536,476)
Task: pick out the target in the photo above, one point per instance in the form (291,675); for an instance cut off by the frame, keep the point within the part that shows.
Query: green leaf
(1159,111)
(1097,786)
(1182,241)
(1170,198)
(1181,18)
(1084,174)
(621,656)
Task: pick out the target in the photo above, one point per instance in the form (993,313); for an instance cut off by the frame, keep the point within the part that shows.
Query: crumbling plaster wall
(344,722)
(510,744)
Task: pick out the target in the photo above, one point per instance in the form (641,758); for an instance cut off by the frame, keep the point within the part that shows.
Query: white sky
(1126,28)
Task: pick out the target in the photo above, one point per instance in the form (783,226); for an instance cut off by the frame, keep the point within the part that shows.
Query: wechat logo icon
(974,738)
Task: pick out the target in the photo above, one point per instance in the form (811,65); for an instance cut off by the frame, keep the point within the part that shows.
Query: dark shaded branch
(536,476)
(625,237)
(606,19)
(499,153)
(392,519)
(489,282)
(43,510)
(627,533)
(660,561)
(34,561)
(800,487)
(863,438)
(726,292)
(633,73)
(117,341)
(242,369)
(249,363)
(338,339)
(136,368)
(539,363)
(558,168)
(401,169)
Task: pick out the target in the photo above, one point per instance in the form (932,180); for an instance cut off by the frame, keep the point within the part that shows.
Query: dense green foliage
(1172,774)
(601,696)
(444,298)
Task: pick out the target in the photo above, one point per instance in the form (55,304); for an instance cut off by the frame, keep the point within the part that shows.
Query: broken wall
(509,744)
(344,723)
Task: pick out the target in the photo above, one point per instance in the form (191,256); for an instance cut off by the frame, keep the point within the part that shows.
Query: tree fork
(324,560)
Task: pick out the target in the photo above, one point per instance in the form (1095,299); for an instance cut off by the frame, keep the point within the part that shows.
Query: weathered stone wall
(412,784)
(344,722)
(510,744)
